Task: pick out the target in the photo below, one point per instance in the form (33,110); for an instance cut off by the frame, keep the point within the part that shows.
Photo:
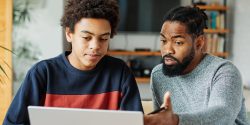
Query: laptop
(39,115)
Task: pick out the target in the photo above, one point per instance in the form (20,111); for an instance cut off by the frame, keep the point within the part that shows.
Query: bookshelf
(217,31)
(155,53)
(134,53)
(140,80)
(213,7)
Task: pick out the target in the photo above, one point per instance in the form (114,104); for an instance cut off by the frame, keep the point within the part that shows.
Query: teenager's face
(176,48)
(90,42)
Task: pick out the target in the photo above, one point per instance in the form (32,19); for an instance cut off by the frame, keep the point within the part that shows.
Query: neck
(194,63)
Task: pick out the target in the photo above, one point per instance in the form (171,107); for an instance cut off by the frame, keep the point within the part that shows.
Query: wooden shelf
(140,53)
(142,80)
(134,53)
(223,31)
(213,7)
(220,54)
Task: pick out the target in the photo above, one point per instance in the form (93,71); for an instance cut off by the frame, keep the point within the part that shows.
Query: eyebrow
(104,34)
(176,36)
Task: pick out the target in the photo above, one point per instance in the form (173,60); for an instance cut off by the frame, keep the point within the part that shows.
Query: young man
(205,90)
(84,77)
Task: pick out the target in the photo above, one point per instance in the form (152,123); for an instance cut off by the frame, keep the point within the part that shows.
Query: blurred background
(36,34)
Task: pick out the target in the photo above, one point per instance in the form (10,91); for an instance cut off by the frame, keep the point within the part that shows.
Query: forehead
(174,28)
(93,25)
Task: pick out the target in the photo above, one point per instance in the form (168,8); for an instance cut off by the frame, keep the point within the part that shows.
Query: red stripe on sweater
(108,100)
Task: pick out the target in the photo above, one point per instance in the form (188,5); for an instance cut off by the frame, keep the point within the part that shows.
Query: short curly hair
(75,10)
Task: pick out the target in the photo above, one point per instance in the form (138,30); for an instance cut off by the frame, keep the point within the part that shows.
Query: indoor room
(31,31)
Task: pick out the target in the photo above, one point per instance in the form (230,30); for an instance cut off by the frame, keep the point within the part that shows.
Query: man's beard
(177,69)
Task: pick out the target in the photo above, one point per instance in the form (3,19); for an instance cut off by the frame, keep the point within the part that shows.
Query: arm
(28,94)
(130,94)
(225,100)
(223,106)
(156,104)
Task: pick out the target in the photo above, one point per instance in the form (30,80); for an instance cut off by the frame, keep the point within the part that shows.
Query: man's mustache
(169,56)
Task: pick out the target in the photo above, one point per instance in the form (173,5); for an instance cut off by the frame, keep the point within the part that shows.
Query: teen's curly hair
(75,10)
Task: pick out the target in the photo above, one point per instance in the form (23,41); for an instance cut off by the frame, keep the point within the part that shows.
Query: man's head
(182,39)
(89,25)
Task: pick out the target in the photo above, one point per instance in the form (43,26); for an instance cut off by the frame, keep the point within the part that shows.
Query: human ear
(68,34)
(200,42)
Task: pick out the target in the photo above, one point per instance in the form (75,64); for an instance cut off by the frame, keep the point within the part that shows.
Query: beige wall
(5,56)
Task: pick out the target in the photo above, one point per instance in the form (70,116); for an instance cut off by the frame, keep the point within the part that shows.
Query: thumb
(167,101)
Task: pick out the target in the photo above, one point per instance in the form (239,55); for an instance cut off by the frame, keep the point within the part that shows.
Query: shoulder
(115,66)
(46,64)
(114,62)
(222,69)
(157,69)
(221,64)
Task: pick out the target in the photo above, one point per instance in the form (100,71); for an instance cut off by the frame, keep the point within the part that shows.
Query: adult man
(204,89)
(84,77)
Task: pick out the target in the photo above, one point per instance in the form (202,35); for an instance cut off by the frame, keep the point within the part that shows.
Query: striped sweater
(56,83)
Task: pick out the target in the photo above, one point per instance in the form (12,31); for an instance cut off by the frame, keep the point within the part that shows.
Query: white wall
(44,29)
(241,38)
(49,31)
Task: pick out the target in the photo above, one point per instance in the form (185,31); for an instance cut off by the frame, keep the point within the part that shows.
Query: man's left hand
(165,117)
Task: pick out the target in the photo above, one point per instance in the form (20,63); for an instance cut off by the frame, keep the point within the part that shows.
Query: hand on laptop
(164,117)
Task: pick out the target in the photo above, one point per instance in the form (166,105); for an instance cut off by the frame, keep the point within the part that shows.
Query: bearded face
(178,67)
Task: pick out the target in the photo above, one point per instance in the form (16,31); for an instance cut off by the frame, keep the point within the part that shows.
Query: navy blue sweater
(56,83)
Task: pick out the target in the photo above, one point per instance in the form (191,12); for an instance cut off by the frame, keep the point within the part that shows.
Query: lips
(169,61)
(93,57)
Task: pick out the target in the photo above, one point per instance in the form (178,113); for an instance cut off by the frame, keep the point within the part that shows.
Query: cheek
(79,45)
(182,53)
(162,48)
(105,46)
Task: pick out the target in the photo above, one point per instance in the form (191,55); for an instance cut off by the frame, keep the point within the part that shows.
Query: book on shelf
(214,2)
(214,43)
(216,20)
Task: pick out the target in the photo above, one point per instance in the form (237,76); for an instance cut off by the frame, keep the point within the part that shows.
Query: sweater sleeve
(130,95)
(156,104)
(225,101)
(30,93)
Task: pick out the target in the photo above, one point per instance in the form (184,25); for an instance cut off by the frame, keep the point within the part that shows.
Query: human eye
(179,43)
(104,39)
(163,40)
(87,38)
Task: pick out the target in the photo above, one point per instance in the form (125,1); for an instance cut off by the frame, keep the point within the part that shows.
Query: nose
(94,44)
(168,49)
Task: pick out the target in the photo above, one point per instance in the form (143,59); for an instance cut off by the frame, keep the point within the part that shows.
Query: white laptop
(72,116)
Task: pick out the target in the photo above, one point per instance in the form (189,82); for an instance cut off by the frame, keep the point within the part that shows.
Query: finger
(167,101)
(146,120)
